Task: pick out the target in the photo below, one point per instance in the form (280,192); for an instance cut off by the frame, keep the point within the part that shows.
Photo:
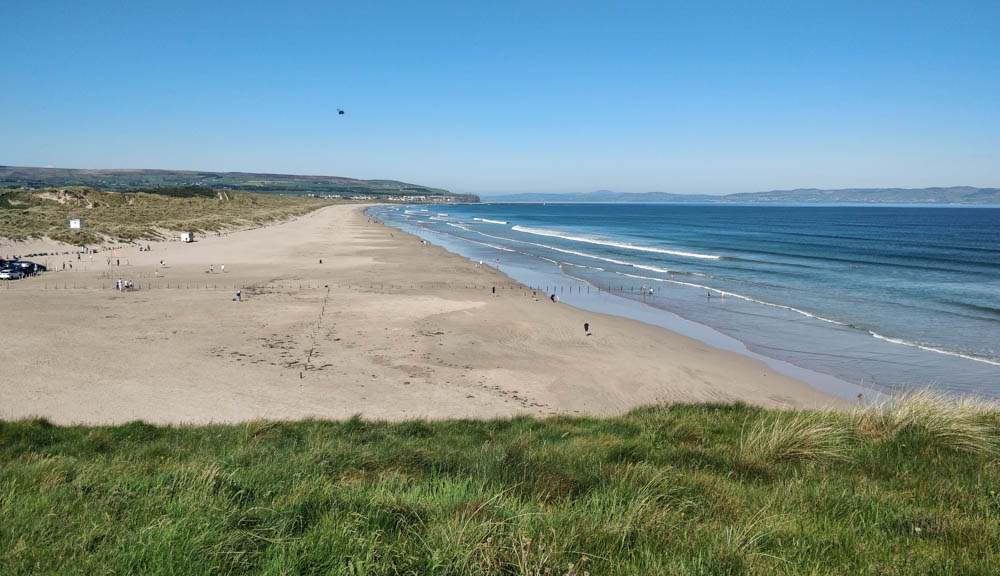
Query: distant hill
(119,180)
(966,195)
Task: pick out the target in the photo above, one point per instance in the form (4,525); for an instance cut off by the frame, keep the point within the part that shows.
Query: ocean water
(882,297)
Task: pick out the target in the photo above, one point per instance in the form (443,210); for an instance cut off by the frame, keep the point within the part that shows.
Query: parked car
(11,274)
(26,267)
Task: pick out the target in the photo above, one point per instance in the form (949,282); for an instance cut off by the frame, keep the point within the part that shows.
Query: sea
(852,299)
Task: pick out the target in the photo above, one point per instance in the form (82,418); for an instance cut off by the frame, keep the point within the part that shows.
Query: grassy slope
(135,216)
(682,489)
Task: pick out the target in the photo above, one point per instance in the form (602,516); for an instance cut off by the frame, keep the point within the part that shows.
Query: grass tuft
(795,436)
(742,544)
(962,425)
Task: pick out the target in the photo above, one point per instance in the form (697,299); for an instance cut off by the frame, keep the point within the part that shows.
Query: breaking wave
(625,245)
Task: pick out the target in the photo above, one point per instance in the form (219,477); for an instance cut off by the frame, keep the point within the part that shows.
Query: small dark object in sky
(340,111)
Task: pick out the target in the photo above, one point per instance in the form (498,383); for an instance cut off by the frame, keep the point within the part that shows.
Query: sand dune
(386,327)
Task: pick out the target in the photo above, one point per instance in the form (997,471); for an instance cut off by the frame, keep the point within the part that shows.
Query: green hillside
(126,180)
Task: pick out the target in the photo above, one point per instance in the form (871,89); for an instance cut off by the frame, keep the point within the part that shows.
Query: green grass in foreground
(139,215)
(702,489)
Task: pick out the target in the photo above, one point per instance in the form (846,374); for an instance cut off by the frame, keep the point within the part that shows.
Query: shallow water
(883,297)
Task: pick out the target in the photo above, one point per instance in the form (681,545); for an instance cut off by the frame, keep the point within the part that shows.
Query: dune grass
(956,424)
(687,489)
(130,216)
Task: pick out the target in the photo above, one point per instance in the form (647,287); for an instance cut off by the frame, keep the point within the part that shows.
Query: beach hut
(76,224)
(187,236)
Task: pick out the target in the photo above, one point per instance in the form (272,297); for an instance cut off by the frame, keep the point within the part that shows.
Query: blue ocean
(884,297)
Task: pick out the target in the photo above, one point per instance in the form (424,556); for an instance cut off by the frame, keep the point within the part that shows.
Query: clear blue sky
(508,96)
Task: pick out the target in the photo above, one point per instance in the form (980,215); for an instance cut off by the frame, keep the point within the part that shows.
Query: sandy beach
(340,316)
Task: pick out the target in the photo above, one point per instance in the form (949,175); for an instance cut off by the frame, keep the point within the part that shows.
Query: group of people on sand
(124,286)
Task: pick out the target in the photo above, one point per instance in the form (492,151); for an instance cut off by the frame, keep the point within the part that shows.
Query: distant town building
(76,224)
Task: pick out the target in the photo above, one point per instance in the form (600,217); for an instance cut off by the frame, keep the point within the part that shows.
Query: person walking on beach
(494,291)
(211,268)
(223,268)
(586,328)
(239,295)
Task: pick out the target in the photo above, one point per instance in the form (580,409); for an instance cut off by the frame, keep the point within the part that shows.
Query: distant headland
(123,180)
(962,195)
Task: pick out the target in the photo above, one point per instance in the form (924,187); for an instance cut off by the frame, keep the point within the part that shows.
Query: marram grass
(687,489)
(961,424)
(135,216)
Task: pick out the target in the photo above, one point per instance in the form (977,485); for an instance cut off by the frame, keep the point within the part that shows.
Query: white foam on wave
(651,268)
(436,219)
(932,349)
(554,234)
(739,297)
(567,251)
(503,248)
(487,220)
(598,268)
(453,225)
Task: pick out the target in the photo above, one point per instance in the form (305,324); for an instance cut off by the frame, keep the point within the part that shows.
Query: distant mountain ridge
(964,195)
(129,179)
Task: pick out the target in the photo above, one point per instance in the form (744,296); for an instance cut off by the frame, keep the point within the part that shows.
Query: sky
(498,97)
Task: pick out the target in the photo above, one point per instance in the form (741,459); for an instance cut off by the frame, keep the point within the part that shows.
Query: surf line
(804,313)
(625,245)
(740,297)
(932,349)
(546,246)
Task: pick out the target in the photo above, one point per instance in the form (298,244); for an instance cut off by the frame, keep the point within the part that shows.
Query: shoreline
(386,327)
(640,311)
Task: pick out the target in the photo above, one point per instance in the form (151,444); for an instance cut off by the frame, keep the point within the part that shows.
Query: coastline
(585,295)
(387,327)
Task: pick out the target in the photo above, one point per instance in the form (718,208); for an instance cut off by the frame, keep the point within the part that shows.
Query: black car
(27,268)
